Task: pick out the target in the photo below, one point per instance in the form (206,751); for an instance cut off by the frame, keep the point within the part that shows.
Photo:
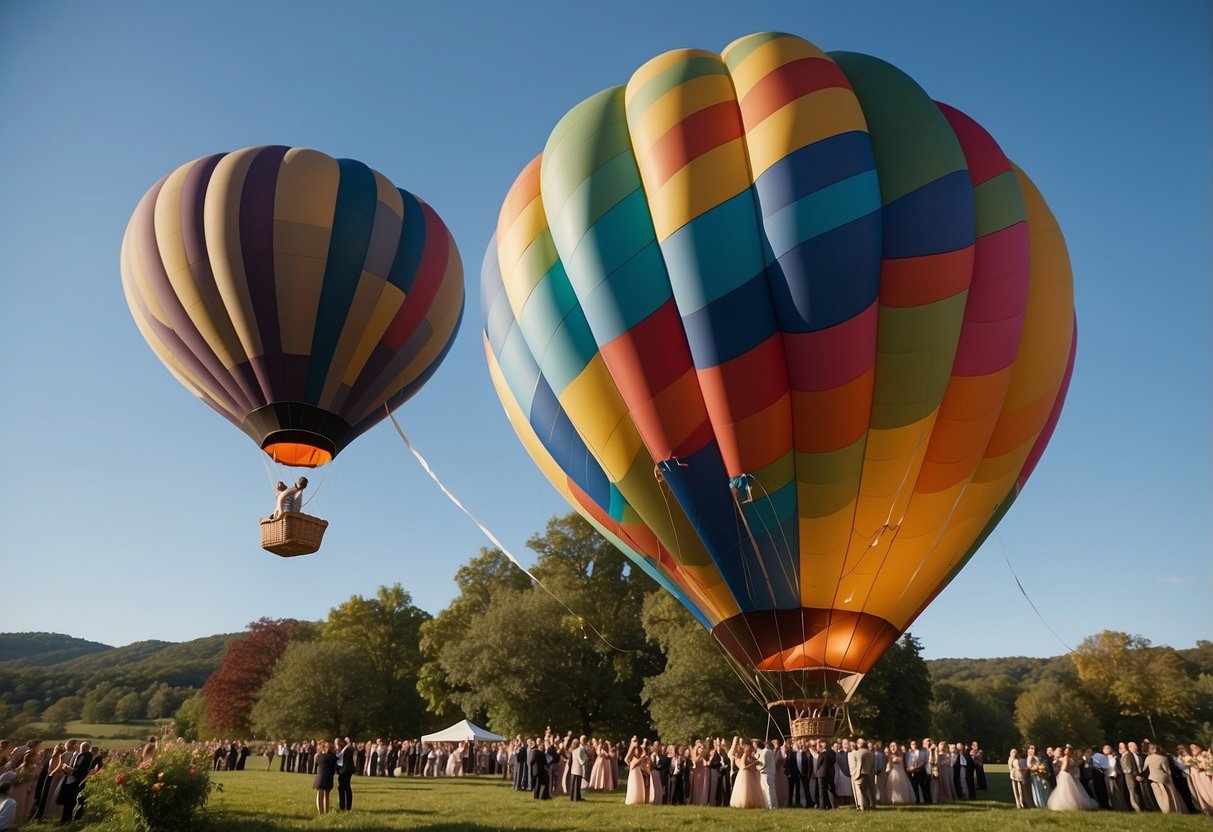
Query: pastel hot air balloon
(299,296)
(791,334)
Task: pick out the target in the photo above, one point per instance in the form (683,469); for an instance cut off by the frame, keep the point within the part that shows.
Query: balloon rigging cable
(1025,594)
(493,538)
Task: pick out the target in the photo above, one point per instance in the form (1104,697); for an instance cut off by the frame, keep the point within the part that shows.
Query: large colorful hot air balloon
(299,296)
(791,334)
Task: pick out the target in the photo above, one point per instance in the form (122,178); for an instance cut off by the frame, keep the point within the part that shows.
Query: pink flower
(120,779)
(145,764)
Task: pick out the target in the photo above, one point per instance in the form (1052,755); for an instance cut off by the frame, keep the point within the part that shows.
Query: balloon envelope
(788,331)
(294,293)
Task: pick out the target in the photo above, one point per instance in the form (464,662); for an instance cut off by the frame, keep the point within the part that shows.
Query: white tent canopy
(461,731)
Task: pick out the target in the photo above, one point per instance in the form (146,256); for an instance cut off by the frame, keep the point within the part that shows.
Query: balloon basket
(292,534)
(814,719)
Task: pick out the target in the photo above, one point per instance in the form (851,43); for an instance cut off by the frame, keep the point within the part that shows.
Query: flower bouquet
(1040,770)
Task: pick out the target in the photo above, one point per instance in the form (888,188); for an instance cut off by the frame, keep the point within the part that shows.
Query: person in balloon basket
(289,498)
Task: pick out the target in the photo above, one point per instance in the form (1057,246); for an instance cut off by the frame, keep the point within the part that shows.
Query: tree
(191,718)
(968,711)
(894,699)
(528,661)
(317,689)
(162,701)
(477,580)
(128,708)
(1048,713)
(697,694)
(387,629)
(1131,678)
(63,711)
(249,661)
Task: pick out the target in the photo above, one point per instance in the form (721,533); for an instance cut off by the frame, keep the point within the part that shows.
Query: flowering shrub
(165,794)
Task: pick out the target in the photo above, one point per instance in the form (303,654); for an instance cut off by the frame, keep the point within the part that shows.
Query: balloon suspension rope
(1025,594)
(493,538)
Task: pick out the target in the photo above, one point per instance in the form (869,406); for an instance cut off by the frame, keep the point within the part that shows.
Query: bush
(164,794)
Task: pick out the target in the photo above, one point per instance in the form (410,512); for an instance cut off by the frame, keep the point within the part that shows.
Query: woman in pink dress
(597,779)
(747,788)
(638,786)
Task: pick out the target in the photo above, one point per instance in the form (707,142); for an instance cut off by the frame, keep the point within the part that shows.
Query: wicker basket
(813,727)
(292,534)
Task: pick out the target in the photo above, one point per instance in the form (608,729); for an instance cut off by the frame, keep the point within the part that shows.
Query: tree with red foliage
(248,663)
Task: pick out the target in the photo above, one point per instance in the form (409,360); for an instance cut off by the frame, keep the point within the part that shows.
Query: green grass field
(260,801)
(116,736)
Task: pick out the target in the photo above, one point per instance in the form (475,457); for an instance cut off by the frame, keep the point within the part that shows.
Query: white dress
(1070,796)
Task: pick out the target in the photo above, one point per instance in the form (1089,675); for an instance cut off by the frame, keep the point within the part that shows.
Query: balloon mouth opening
(298,454)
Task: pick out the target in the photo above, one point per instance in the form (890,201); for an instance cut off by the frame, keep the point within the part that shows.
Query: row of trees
(605,652)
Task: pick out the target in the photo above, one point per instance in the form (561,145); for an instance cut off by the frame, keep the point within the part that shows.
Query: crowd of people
(752,774)
(1131,777)
(38,782)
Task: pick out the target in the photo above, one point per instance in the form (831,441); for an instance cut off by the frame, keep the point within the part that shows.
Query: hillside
(44,649)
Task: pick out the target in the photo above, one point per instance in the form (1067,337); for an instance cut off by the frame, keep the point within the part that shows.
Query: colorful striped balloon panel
(788,330)
(294,293)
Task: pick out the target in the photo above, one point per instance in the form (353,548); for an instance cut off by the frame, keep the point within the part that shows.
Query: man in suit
(73,781)
(345,771)
(916,768)
(798,774)
(823,776)
(1141,796)
(661,769)
(579,757)
(964,777)
(863,775)
(537,763)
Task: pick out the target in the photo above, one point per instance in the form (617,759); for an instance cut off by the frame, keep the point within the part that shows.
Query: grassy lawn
(260,801)
(117,736)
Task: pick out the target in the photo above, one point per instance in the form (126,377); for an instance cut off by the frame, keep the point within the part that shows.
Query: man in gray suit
(578,759)
(863,775)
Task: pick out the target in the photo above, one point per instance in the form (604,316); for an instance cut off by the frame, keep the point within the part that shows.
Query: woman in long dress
(1040,780)
(1070,796)
(747,788)
(701,776)
(947,789)
(638,788)
(656,793)
(56,770)
(900,790)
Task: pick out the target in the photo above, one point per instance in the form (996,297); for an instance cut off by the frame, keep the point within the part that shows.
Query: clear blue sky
(108,533)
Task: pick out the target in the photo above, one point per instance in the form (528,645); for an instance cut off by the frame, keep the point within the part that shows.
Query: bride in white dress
(1070,796)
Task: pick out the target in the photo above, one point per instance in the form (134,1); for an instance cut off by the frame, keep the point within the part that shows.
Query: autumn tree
(248,663)
(387,629)
(1129,677)
(697,694)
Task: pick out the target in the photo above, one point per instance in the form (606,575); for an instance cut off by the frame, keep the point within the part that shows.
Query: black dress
(326,766)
